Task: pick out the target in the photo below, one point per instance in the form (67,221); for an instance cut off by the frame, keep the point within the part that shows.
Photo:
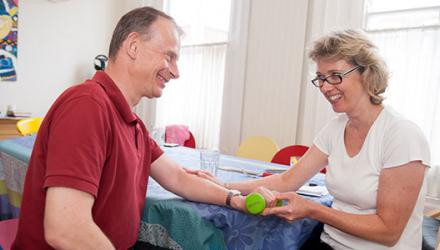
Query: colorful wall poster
(8,39)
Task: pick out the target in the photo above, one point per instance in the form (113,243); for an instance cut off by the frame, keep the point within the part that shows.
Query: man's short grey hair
(138,20)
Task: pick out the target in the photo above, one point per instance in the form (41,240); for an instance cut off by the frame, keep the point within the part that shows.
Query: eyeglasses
(333,79)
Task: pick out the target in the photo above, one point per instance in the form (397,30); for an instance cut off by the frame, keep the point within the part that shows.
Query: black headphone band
(100,62)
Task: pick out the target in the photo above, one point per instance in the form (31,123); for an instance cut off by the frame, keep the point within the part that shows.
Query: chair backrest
(8,230)
(191,142)
(29,126)
(284,154)
(258,147)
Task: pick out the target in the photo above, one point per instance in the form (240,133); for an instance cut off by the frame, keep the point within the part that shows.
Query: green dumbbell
(255,203)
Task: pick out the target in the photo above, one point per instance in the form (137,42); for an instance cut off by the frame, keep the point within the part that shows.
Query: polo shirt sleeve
(155,149)
(77,145)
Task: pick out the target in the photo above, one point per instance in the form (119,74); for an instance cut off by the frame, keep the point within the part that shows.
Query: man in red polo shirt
(87,178)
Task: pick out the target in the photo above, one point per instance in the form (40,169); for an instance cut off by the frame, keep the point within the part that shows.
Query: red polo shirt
(90,140)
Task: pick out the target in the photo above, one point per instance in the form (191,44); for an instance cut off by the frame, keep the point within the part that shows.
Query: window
(407,33)
(195,99)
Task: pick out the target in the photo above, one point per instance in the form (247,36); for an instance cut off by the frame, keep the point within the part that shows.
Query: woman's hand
(296,208)
(205,175)
(269,196)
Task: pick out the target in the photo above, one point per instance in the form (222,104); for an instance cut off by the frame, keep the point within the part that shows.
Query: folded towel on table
(176,134)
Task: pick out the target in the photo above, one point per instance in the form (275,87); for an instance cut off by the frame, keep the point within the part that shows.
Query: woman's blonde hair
(354,47)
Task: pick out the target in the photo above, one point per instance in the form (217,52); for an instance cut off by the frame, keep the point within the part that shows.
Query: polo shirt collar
(115,95)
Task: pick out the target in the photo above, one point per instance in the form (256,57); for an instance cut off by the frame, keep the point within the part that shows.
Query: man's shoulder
(87,89)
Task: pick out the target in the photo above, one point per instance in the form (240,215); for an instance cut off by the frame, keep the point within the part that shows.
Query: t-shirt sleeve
(323,140)
(77,145)
(404,142)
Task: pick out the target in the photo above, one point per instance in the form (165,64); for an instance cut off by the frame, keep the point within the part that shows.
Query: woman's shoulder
(337,122)
(396,127)
(394,120)
(402,140)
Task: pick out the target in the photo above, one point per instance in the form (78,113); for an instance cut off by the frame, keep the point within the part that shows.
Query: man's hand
(205,175)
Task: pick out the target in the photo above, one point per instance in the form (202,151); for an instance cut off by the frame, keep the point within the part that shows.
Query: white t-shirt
(391,141)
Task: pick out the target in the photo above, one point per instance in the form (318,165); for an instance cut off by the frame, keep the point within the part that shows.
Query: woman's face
(346,96)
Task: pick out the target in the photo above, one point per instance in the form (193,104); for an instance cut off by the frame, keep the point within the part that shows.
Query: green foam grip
(255,203)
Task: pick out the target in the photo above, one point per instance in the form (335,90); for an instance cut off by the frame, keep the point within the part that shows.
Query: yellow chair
(29,126)
(258,147)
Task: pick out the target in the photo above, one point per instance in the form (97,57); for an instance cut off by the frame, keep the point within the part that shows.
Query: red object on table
(265,173)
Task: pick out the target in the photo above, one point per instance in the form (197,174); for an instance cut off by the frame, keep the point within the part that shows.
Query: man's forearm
(201,190)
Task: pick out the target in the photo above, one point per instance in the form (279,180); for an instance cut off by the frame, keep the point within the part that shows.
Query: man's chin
(157,94)
(154,94)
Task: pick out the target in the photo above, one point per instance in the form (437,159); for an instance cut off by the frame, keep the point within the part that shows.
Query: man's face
(156,62)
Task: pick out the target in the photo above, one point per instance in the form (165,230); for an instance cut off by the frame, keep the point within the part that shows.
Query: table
(8,127)
(14,158)
(173,218)
(172,222)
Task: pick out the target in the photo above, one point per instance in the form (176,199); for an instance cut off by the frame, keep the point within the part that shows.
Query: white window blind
(195,99)
(407,33)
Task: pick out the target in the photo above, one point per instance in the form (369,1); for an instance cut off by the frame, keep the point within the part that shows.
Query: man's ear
(131,45)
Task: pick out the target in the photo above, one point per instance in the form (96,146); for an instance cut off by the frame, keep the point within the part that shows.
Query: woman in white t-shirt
(376,160)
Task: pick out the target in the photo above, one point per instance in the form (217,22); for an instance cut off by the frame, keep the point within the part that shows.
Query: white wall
(261,95)
(274,66)
(57,42)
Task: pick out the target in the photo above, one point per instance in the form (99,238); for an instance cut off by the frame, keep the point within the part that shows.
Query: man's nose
(174,71)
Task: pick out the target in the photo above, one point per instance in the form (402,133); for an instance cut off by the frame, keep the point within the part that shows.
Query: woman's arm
(398,191)
(292,179)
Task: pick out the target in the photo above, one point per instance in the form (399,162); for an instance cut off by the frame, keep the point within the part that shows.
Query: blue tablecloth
(20,147)
(169,221)
(14,157)
(183,224)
